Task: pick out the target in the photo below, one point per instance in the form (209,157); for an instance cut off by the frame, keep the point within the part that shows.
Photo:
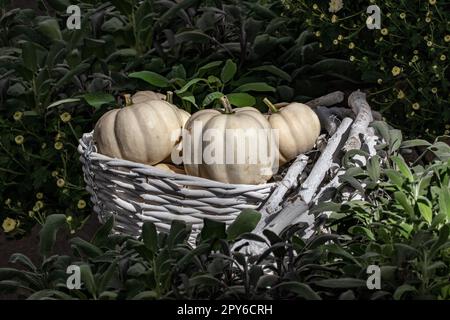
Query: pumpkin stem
(128,101)
(226,104)
(271,106)
(169,96)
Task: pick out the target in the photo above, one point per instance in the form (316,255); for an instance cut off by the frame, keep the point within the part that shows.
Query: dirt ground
(29,245)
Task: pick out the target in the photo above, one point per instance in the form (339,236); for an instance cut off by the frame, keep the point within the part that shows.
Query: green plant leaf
(425,209)
(50,28)
(415,143)
(23,260)
(301,290)
(189,84)
(255,86)
(210,98)
(444,201)
(245,222)
(29,56)
(275,71)
(403,167)
(241,99)
(373,168)
(146,295)
(205,280)
(341,283)
(362,231)
(213,230)
(150,236)
(152,78)
(400,291)
(210,65)
(48,232)
(87,279)
(228,71)
(401,198)
(86,248)
(100,237)
(394,177)
(98,99)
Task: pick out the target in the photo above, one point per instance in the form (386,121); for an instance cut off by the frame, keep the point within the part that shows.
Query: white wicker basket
(135,193)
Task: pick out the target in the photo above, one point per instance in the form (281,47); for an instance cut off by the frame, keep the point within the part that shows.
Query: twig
(290,180)
(357,101)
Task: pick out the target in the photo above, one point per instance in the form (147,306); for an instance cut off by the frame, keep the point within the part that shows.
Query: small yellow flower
(380,39)
(429,43)
(69,219)
(39,195)
(447,132)
(351,45)
(39,204)
(335,5)
(58,145)
(382,68)
(416,51)
(322,16)
(315,6)
(36,208)
(60,183)
(72,231)
(384,31)
(335,41)
(396,71)
(65,117)
(19,139)
(31,214)
(340,37)
(443,57)
(400,94)
(447,38)
(320,45)
(54,174)
(434,90)
(416,106)
(352,58)
(380,81)
(17,115)
(317,33)
(8,202)
(388,14)
(9,225)
(334,18)
(432,2)
(43,146)
(81,204)
(402,15)
(415,58)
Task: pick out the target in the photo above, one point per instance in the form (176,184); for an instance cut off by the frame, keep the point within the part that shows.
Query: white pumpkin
(298,129)
(253,130)
(145,131)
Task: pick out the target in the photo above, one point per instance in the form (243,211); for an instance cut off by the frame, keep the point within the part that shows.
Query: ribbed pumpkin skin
(246,173)
(143,132)
(298,129)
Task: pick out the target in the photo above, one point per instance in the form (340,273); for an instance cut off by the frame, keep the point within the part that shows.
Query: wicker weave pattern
(135,193)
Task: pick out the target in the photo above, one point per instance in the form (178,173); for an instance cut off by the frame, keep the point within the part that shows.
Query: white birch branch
(357,101)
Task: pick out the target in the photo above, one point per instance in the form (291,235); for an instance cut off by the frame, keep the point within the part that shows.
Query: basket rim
(85,149)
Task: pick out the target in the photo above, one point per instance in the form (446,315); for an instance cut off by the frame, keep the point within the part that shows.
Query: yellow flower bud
(17,115)
(9,225)
(65,117)
(19,139)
